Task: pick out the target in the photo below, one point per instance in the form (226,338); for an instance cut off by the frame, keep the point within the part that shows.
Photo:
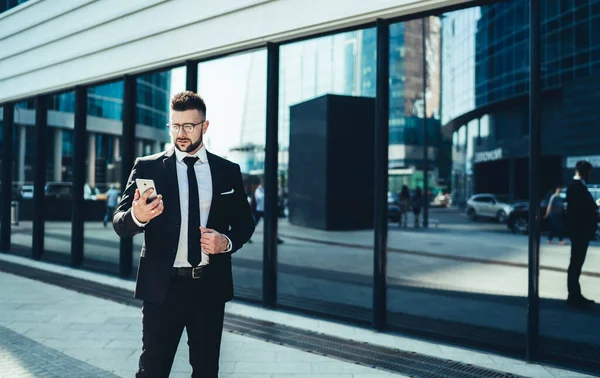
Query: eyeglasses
(187,127)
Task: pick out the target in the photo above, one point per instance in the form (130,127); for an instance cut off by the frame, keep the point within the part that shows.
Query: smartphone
(145,184)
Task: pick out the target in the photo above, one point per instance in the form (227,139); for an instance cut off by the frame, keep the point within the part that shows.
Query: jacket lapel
(171,185)
(216,177)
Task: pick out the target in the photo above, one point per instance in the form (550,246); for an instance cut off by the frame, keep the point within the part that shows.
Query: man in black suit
(190,231)
(582,221)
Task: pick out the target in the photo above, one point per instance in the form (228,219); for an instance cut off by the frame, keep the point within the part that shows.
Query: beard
(192,146)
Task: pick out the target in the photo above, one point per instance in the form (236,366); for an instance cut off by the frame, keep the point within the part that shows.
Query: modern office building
(85,88)
(346,64)
(486,53)
(104,133)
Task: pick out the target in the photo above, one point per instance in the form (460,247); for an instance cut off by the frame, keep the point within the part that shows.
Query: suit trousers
(579,247)
(187,306)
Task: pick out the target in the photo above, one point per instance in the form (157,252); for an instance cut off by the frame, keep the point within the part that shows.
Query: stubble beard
(192,147)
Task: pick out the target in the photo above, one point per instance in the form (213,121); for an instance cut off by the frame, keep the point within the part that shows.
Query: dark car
(59,190)
(518,221)
(393,207)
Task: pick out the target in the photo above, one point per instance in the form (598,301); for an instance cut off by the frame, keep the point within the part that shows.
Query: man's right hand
(143,211)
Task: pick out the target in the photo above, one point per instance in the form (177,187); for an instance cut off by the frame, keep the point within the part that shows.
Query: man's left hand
(212,242)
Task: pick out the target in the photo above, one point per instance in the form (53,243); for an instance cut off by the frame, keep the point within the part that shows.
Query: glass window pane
(24,155)
(444,265)
(325,225)
(234,89)
(153,96)
(103,174)
(59,177)
(2,157)
(570,134)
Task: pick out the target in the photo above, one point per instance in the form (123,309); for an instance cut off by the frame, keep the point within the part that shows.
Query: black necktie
(194,254)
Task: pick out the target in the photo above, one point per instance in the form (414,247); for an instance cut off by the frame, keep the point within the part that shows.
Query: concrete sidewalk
(51,330)
(48,331)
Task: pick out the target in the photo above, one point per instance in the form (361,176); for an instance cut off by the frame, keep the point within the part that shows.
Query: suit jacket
(229,214)
(582,216)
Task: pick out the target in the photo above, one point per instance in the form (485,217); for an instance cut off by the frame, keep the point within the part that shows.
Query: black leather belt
(192,273)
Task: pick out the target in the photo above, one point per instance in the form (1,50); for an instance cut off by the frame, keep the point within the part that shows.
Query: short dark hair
(583,167)
(188,100)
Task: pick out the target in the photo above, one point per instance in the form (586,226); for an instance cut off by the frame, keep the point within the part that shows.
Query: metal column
(271,151)
(128,148)
(382,107)
(79,159)
(425,132)
(191,76)
(7,161)
(533,299)
(39,179)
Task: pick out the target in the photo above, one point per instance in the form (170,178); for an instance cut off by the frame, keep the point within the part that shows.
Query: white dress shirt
(577,177)
(204,179)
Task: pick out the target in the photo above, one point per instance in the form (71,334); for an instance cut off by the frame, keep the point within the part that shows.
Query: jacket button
(178,224)
(174,251)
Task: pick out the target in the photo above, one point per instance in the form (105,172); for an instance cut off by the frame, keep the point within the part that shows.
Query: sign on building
(593,159)
(492,155)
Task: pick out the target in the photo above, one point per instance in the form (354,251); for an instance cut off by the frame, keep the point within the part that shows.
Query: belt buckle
(199,268)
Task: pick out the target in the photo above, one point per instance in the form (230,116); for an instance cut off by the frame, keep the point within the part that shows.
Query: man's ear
(205,127)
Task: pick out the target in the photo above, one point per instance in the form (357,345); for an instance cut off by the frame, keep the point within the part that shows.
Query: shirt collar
(580,179)
(200,154)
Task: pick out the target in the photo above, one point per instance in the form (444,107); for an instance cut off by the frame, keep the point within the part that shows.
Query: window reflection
(153,97)
(103,173)
(325,197)
(58,196)
(23,160)
(234,90)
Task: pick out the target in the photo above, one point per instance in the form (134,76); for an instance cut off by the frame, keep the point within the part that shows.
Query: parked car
(59,190)
(489,206)
(393,207)
(518,221)
(441,200)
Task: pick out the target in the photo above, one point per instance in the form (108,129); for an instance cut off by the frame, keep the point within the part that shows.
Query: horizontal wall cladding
(48,45)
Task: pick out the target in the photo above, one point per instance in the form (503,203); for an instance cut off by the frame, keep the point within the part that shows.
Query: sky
(222,84)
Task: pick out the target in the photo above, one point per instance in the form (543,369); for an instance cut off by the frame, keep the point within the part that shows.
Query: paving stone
(28,358)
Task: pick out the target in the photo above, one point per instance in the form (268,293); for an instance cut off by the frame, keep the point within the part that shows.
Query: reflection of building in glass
(249,151)
(339,64)
(491,112)
(104,129)
(406,105)
(346,64)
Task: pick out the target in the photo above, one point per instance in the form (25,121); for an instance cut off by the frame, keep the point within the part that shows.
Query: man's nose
(181,131)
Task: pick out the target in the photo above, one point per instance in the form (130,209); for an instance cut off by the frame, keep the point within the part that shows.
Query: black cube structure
(331,160)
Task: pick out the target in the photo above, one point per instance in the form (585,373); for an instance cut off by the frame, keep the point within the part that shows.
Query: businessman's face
(188,140)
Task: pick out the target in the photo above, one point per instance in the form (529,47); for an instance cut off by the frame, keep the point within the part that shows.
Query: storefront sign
(593,159)
(482,157)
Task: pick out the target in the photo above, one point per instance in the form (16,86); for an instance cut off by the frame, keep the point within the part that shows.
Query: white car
(489,206)
(27,191)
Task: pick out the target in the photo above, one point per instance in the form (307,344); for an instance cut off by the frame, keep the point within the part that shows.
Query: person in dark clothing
(556,212)
(417,203)
(404,204)
(582,221)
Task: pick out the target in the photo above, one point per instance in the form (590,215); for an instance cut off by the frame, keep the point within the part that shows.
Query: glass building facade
(455,270)
(486,52)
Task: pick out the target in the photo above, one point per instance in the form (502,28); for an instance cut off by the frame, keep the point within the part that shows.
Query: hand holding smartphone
(144,185)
